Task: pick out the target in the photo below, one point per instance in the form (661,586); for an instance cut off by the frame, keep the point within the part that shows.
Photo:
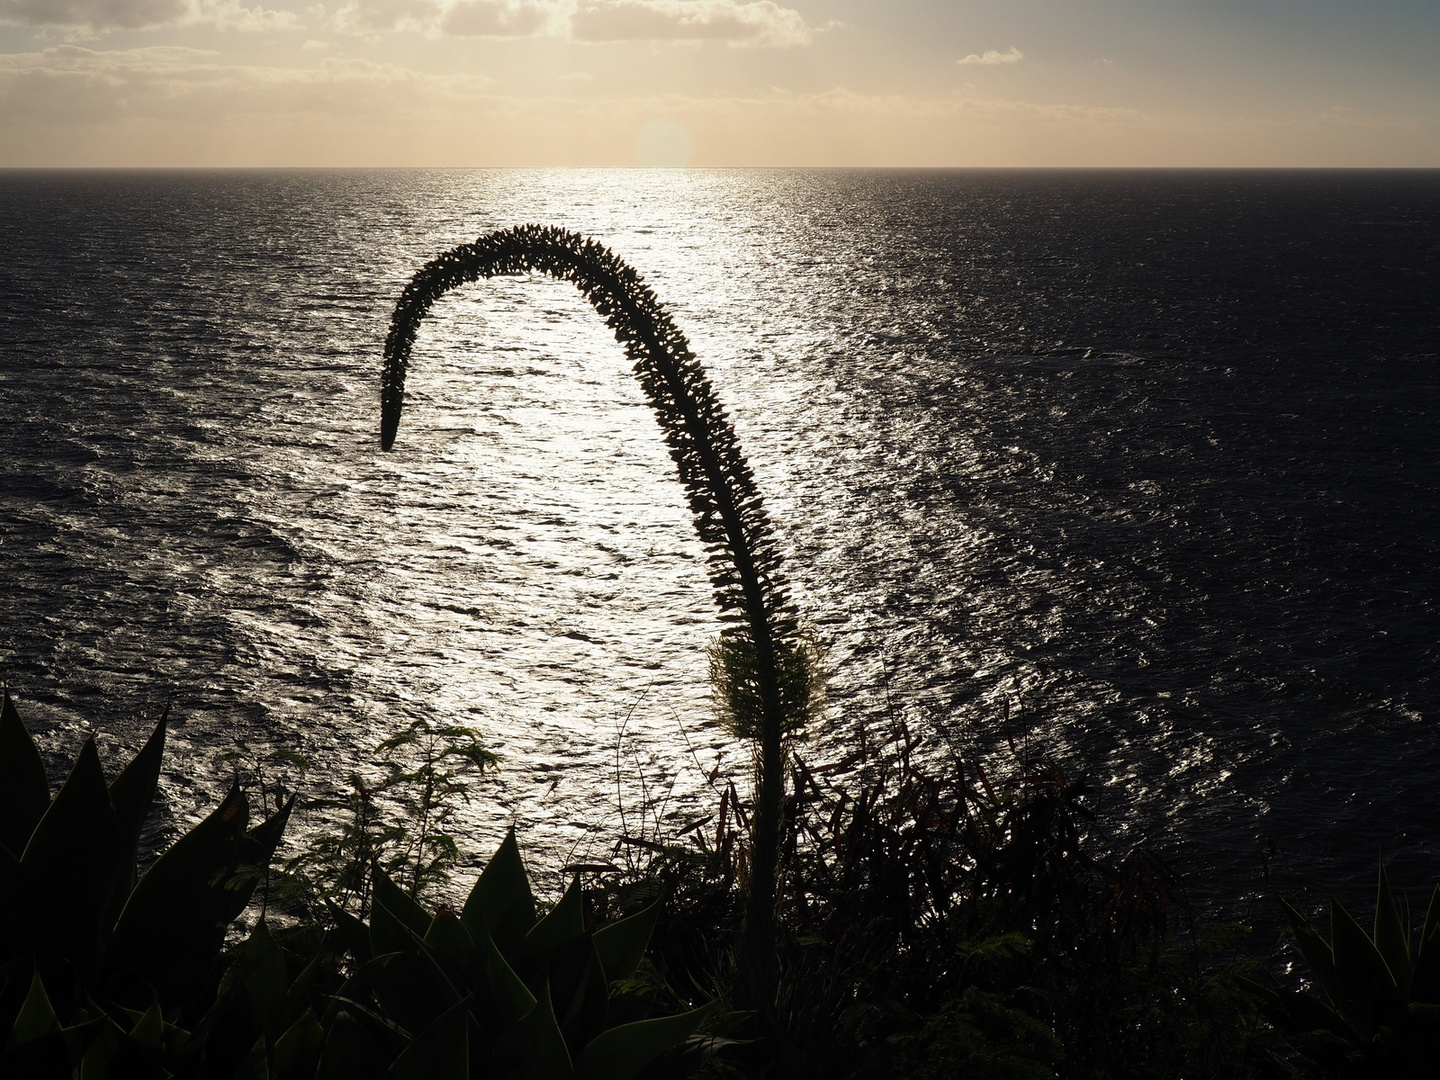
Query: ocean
(1139,466)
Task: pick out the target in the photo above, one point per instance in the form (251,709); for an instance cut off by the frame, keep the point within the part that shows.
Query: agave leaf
(81,1036)
(131,794)
(1430,931)
(580,992)
(1425,982)
(534,1043)
(254,1066)
(353,935)
(440,1052)
(415,988)
(622,944)
(1305,1012)
(254,850)
(149,1030)
(258,847)
(1317,953)
(388,931)
(450,940)
(296,1050)
(263,975)
(564,923)
(501,903)
(37,1016)
(400,903)
(509,996)
(17,903)
(352,1051)
(173,926)
(73,858)
(356,988)
(619,1053)
(102,1051)
(1390,937)
(24,790)
(297,995)
(1364,978)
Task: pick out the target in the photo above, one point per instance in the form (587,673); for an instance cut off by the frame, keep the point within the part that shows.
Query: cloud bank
(97,14)
(992,57)
(758,23)
(103,15)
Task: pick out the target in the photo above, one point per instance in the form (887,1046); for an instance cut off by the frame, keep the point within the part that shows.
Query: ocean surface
(1143,466)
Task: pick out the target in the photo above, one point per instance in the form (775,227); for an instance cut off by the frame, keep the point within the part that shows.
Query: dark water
(1149,456)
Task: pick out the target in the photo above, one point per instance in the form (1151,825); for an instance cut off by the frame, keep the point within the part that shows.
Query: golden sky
(719,82)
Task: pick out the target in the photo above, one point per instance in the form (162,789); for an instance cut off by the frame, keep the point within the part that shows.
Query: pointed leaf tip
(24,788)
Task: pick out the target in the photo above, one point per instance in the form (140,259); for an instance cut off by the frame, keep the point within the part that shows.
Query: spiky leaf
(131,793)
(73,858)
(580,992)
(24,790)
(263,976)
(440,1052)
(533,1047)
(620,1052)
(1365,981)
(564,923)
(509,996)
(501,903)
(1425,983)
(173,925)
(622,944)
(352,1051)
(1317,953)
(1390,936)
(298,1048)
(400,903)
(37,1016)
(450,939)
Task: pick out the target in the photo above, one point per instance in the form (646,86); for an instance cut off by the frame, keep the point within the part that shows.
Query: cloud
(465,18)
(232,15)
(193,89)
(496,18)
(369,16)
(101,15)
(97,14)
(992,57)
(760,22)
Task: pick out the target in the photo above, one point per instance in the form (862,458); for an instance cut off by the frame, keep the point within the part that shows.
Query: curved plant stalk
(764,666)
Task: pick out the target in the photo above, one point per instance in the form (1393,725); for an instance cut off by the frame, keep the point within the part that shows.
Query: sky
(719,83)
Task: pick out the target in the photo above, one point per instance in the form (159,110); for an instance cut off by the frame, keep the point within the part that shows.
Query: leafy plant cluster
(938,917)
(104,973)
(402,821)
(1380,1014)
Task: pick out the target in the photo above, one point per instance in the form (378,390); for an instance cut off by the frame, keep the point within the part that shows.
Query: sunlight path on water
(1150,454)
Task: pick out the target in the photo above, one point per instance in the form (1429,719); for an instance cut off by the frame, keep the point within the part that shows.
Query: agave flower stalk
(763,663)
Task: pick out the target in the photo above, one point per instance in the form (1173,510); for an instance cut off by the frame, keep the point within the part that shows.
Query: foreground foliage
(942,918)
(935,918)
(1381,1013)
(104,976)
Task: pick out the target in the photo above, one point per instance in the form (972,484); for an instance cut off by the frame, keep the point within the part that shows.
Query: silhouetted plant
(425,780)
(1382,1017)
(93,963)
(767,676)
